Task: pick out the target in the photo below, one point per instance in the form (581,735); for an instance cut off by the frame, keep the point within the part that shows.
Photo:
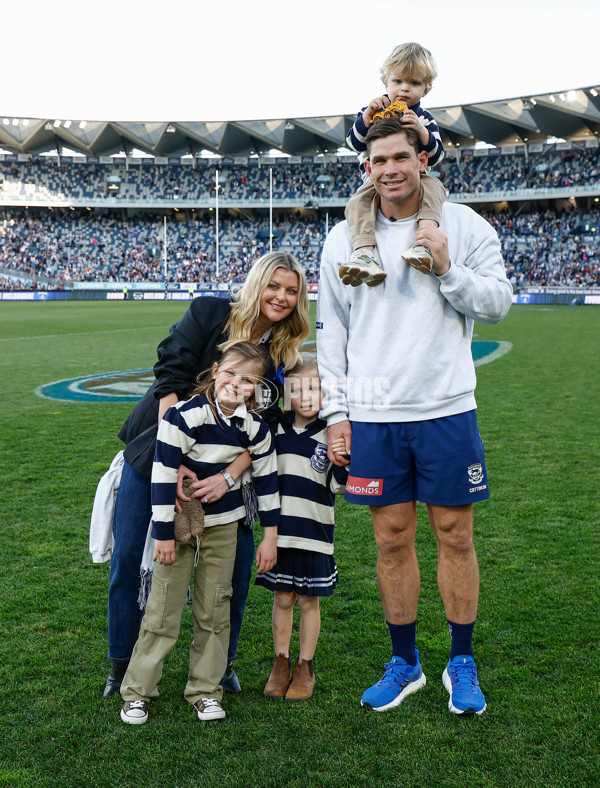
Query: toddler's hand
(374,106)
(411,120)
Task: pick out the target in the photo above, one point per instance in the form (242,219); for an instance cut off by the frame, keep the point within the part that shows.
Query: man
(399,381)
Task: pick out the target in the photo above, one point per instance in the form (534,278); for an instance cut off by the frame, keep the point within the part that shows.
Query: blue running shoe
(460,681)
(398,681)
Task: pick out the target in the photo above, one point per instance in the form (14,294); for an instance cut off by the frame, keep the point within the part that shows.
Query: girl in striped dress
(305,569)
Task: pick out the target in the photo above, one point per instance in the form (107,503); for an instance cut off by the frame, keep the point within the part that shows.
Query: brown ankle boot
(279,680)
(301,687)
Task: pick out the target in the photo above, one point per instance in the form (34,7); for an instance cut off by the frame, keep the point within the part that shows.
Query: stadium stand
(101,219)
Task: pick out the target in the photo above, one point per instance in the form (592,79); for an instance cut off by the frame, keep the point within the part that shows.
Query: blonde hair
(288,334)
(411,61)
(246,351)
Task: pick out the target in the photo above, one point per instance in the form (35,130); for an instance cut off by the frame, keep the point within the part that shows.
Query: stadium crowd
(552,170)
(55,245)
(48,178)
(547,248)
(88,247)
(540,247)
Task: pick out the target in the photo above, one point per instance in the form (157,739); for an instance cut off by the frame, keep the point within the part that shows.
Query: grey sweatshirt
(401,351)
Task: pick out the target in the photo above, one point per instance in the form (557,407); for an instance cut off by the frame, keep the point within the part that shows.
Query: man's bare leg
(458,580)
(397,567)
(458,570)
(399,587)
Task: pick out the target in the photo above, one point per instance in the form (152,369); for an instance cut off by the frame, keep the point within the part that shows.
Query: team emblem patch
(475,472)
(319,459)
(358,486)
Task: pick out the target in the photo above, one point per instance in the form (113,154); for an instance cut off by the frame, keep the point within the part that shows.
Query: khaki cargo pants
(210,608)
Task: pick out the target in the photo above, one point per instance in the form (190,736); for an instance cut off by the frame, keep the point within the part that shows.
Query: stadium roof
(572,115)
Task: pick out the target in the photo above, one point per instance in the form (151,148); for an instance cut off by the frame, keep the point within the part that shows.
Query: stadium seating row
(48,179)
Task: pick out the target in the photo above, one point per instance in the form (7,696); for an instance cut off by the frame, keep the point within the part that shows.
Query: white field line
(79,334)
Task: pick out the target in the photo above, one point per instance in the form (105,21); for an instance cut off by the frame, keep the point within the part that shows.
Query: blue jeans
(242,570)
(130,526)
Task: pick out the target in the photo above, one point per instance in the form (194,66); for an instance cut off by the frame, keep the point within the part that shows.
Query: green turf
(538,627)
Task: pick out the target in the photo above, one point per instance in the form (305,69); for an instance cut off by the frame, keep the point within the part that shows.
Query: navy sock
(403,641)
(461,639)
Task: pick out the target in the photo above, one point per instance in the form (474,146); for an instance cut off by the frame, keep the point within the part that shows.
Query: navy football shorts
(438,461)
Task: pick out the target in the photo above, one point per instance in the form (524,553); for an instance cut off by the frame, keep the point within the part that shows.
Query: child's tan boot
(279,680)
(302,686)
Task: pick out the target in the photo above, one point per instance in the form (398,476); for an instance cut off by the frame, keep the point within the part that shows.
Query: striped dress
(308,484)
(191,434)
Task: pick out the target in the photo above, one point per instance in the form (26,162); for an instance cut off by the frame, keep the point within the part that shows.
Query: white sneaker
(209,709)
(135,712)
(420,258)
(362,269)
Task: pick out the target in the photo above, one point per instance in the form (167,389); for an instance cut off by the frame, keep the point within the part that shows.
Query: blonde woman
(270,308)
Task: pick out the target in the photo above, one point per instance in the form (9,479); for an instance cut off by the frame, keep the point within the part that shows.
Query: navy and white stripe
(435,147)
(301,572)
(191,434)
(308,484)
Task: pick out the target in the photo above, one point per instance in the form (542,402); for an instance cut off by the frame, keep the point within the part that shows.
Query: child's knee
(308,603)
(285,599)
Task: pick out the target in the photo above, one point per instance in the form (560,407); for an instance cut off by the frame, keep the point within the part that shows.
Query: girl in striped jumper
(305,568)
(205,433)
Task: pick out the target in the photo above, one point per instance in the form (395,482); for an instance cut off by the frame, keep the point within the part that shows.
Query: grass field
(538,627)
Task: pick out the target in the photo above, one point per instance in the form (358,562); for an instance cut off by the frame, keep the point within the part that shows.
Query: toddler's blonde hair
(411,61)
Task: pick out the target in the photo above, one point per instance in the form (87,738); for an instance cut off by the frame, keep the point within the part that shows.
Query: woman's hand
(210,489)
(164,551)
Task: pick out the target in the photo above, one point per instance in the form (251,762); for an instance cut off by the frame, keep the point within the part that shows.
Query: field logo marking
(131,384)
(128,386)
(485,352)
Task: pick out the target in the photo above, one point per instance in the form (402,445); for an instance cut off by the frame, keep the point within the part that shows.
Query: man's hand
(376,105)
(437,243)
(336,433)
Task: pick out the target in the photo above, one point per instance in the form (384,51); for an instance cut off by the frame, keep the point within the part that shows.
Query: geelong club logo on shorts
(475,472)
(358,486)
